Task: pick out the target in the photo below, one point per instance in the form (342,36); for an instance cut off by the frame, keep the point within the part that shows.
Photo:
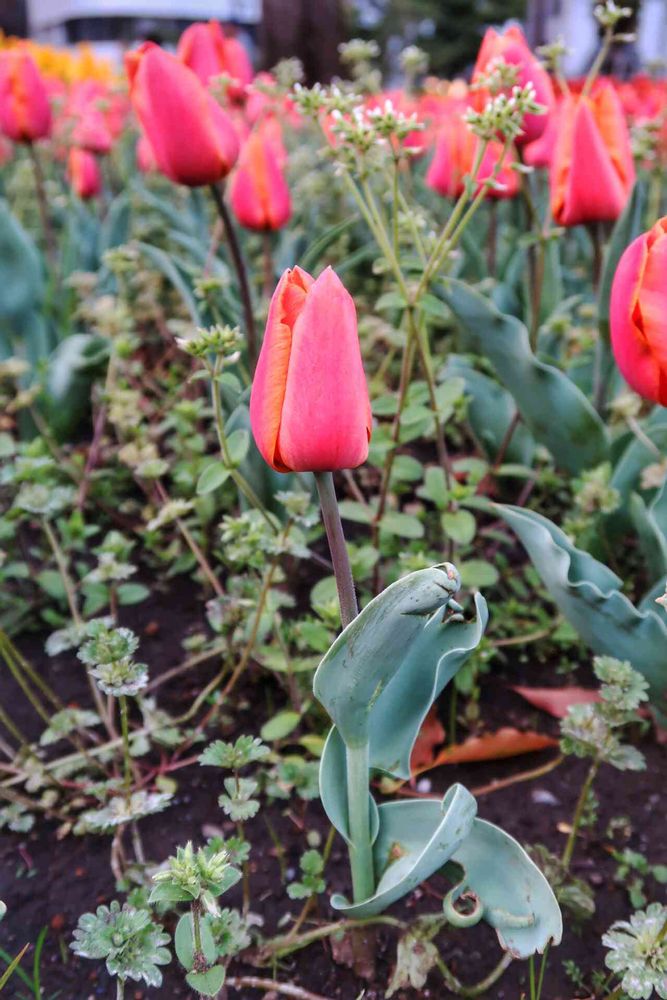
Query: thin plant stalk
(241,273)
(127,757)
(578,813)
(339,556)
(42,201)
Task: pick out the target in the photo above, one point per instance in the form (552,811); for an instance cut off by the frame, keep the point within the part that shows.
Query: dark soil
(50,882)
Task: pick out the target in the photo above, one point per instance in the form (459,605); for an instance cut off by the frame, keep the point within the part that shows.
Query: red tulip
(83,173)
(209,52)
(592,170)
(193,139)
(638,314)
(259,194)
(513,48)
(309,407)
(25,112)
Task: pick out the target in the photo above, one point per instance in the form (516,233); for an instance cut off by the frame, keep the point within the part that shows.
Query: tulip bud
(513,49)
(592,171)
(259,194)
(83,173)
(309,406)
(193,139)
(209,52)
(25,112)
(638,314)
(454,159)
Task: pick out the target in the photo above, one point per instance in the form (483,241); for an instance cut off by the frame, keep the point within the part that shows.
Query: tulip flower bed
(333,538)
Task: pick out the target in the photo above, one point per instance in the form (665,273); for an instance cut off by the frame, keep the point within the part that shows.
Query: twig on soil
(257,983)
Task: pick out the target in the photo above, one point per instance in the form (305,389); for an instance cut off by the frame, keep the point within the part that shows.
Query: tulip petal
(270,379)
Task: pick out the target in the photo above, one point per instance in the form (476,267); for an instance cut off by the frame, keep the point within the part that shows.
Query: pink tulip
(259,194)
(638,314)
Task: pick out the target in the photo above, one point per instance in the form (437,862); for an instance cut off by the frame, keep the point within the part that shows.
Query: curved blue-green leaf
(637,455)
(21,277)
(588,595)
(516,898)
(168,267)
(414,841)
(72,368)
(650,523)
(629,225)
(555,411)
(383,672)
(491,410)
(115,227)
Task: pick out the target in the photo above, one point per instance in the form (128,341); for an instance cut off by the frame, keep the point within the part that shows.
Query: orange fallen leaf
(557,701)
(506,742)
(431,736)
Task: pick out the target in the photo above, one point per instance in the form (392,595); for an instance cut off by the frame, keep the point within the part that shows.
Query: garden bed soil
(50,882)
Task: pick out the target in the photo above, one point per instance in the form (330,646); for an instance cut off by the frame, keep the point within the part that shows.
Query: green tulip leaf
(415,839)
(511,892)
(21,276)
(588,595)
(554,410)
(384,671)
(491,410)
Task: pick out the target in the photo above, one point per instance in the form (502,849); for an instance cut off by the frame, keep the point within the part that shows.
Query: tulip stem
(42,202)
(339,556)
(359,847)
(241,273)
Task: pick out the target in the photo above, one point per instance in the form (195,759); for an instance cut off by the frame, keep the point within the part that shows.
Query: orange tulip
(83,173)
(513,48)
(638,314)
(25,112)
(209,52)
(259,194)
(592,170)
(309,407)
(193,140)
(454,159)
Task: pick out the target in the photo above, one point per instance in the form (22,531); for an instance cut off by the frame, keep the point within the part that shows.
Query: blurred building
(573,21)
(113,25)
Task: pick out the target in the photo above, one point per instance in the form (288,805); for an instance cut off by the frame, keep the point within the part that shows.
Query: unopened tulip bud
(309,406)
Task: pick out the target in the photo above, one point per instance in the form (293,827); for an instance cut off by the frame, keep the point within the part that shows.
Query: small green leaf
(238,444)
(460,526)
(213,476)
(51,582)
(404,525)
(209,983)
(390,300)
(478,573)
(184,944)
(350,510)
(280,726)
(132,593)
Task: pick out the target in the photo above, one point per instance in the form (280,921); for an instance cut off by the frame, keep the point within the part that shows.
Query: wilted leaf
(506,742)
(557,701)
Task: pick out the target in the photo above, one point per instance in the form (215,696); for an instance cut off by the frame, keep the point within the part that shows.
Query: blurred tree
(449,30)
(311,30)
(13,17)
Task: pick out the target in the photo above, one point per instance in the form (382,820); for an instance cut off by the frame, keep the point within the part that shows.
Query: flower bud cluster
(108,654)
(503,115)
(218,339)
